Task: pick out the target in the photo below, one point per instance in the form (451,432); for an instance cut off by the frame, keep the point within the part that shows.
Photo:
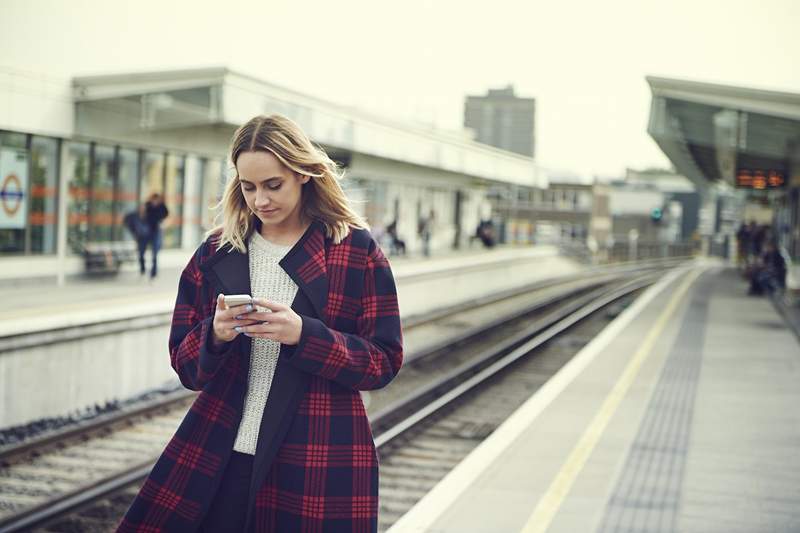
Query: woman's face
(271,190)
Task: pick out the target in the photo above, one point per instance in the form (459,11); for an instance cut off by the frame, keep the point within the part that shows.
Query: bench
(108,257)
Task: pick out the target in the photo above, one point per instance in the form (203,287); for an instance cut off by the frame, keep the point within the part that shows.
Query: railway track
(85,464)
(422,437)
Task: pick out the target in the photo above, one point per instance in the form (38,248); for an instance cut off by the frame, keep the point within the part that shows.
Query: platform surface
(681,416)
(88,300)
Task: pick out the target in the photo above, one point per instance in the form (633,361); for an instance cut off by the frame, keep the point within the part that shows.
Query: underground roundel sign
(13,187)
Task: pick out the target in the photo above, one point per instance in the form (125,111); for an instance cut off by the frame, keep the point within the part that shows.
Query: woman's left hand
(282,324)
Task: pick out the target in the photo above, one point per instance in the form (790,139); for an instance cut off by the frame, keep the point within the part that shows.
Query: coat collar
(304,263)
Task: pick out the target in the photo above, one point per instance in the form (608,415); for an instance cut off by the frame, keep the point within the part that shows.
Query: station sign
(13,188)
(760,179)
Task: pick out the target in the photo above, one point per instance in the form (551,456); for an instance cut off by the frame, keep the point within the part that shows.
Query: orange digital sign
(760,179)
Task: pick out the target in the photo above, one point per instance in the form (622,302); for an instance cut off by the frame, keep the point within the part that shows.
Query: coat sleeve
(369,358)
(191,351)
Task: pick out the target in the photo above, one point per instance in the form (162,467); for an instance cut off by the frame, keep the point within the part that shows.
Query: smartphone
(232,300)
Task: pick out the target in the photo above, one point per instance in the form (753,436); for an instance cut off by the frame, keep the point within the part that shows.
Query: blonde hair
(322,197)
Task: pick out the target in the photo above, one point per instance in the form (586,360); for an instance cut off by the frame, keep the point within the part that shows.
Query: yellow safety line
(551,501)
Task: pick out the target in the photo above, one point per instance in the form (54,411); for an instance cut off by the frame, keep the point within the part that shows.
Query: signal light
(656,214)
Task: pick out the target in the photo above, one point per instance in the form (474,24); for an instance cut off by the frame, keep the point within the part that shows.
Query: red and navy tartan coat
(316,467)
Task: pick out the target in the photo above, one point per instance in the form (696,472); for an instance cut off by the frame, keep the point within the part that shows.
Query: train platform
(680,416)
(86,300)
(107,338)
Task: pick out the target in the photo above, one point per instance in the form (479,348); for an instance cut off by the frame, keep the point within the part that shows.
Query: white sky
(584,61)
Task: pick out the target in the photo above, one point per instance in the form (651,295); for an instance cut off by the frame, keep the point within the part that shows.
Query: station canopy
(746,138)
(184,101)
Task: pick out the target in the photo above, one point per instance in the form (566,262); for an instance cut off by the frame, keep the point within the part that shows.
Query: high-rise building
(503,120)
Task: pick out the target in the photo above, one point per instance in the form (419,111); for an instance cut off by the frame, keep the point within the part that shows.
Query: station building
(657,205)
(77,154)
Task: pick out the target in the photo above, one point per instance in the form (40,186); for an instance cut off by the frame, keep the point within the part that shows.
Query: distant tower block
(503,120)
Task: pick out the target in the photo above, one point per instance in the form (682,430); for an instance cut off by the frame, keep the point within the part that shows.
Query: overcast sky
(584,61)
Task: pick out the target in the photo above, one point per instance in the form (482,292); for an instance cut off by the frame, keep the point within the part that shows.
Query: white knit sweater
(270,282)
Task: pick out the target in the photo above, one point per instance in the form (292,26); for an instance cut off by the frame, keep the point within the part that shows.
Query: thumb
(220,302)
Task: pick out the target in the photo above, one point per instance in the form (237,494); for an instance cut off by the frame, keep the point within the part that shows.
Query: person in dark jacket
(769,274)
(485,233)
(398,245)
(278,438)
(153,212)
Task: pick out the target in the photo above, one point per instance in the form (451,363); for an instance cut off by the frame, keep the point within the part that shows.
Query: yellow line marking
(552,499)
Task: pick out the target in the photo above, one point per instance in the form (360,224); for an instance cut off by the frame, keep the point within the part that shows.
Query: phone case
(233,300)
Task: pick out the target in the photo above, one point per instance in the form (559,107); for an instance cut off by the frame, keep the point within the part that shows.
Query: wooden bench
(108,257)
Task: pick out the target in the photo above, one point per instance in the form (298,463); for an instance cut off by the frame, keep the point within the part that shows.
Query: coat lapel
(304,263)
(229,270)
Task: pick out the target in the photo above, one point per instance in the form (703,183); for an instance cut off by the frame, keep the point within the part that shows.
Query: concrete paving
(681,416)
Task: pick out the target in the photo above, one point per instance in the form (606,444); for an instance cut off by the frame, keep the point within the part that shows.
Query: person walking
(153,212)
(425,230)
(742,245)
(397,245)
(278,438)
(134,221)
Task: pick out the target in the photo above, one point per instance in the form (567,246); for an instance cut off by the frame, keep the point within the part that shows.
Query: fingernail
(238,329)
(238,317)
(249,308)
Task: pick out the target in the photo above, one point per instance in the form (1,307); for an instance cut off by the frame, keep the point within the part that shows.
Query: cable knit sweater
(270,282)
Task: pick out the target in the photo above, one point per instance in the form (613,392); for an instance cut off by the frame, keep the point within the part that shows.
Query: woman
(278,438)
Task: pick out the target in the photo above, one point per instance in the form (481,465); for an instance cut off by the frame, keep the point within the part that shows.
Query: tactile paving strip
(647,495)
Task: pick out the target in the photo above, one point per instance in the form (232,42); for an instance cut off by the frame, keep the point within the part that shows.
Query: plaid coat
(316,467)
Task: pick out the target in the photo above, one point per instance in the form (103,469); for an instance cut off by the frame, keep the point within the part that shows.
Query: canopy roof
(719,133)
(213,97)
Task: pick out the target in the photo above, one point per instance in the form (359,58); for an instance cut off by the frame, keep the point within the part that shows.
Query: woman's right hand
(225,320)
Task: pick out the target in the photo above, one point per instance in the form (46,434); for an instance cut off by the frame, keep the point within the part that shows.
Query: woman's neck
(286,235)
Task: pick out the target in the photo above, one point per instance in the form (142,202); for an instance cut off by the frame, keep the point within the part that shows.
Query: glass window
(356,191)
(173,198)
(563,199)
(14,189)
(214,179)
(101,221)
(77,175)
(374,198)
(127,189)
(44,195)
(192,192)
(12,140)
(152,174)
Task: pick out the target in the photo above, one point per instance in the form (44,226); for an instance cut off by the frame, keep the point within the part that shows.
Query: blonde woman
(278,438)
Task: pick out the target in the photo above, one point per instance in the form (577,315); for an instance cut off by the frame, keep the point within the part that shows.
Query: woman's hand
(225,320)
(279,324)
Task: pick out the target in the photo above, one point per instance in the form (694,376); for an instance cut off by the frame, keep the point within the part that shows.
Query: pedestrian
(278,438)
(397,245)
(153,212)
(135,222)
(485,233)
(743,245)
(757,238)
(425,230)
(769,274)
